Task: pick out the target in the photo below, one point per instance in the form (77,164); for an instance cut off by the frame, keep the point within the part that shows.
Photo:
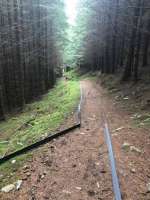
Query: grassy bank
(36,121)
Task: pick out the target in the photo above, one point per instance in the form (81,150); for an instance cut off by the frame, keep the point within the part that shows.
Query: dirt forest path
(76,166)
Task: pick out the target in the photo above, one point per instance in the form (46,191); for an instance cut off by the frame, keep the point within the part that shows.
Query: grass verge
(36,121)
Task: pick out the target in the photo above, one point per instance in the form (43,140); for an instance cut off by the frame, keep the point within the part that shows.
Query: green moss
(38,119)
(72,75)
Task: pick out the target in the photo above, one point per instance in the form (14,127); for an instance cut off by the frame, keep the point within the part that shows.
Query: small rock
(118,129)
(97,163)
(13,161)
(82,133)
(28,174)
(78,188)
(42,176)
(125,146)
(18,184)
(138,116)
(142,124)
(25,167)
(133,170)
(8,188)
(117,97)
(148,187)
(135,149)
(126,98)
(98,185)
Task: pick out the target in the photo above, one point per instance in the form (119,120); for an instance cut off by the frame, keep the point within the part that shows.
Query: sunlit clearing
(71,10)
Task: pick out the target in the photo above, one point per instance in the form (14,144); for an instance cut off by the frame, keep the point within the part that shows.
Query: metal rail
(115,180)
(37,144)
(47,139)
(80,105)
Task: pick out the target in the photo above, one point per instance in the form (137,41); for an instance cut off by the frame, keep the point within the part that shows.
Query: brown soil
(76,166)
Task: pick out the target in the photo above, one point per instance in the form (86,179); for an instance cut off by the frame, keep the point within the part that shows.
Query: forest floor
(76,166)
(36,121)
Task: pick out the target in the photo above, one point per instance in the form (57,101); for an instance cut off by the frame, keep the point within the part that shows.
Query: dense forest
(108,36)
(32,37)
(112,36)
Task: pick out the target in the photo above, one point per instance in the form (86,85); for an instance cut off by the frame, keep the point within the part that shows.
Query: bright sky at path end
(71,10)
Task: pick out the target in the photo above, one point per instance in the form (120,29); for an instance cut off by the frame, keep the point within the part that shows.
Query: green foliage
(60,23)
(76,36)
(40,118)
(59,29)
(72,75)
